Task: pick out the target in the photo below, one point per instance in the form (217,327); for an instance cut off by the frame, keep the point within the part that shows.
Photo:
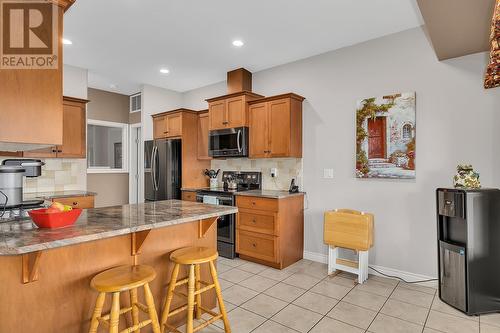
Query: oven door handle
(238,141)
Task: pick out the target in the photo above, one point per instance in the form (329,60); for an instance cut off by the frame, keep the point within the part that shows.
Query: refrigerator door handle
(153,167)
(238,141)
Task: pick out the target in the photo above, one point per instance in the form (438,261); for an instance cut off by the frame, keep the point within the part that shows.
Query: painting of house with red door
(385,137)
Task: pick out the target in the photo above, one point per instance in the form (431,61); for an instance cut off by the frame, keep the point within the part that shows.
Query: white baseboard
(407,276)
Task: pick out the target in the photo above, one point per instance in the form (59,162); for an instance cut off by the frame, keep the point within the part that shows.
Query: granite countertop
(19,237)
(57,194)
(273,194)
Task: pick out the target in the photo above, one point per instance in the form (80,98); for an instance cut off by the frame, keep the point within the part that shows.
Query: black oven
(229,142)
(225,224)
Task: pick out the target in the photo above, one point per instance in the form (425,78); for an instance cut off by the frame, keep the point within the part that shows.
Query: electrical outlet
(327,173)
(274,172)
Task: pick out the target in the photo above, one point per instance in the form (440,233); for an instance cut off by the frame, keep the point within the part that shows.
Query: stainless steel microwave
(230,142)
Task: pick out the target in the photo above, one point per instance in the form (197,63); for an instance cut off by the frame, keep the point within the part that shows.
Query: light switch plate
(327,173)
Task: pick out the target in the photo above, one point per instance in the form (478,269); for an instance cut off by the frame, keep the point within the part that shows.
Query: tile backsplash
(288,168)
(58,174)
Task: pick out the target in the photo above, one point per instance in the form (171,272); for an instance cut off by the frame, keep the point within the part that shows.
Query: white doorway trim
(135,164)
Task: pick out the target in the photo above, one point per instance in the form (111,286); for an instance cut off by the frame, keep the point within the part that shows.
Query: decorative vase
(213,183)
(466,177)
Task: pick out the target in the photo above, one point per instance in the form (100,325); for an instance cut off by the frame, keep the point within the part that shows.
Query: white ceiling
(125,42)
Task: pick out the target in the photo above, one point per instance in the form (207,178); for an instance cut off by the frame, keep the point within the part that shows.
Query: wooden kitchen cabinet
(188,196)
(270,231)
(230,111)
(276,126)
(184,124)
(74,144)
(167,125)
(32,104)
(203,136)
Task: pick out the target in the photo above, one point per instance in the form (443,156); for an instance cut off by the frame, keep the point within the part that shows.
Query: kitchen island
(45,274)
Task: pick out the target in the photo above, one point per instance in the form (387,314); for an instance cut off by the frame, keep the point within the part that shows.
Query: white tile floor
(302,298)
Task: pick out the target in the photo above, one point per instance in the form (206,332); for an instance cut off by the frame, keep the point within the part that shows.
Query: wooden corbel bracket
(30,265)
(204,225)
(138,239)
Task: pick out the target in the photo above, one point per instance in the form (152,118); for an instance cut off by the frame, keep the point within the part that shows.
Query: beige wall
(108,106)
(457,122)
(111,188)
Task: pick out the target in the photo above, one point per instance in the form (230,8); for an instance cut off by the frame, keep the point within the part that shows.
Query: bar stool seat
(194,257)
(121,279)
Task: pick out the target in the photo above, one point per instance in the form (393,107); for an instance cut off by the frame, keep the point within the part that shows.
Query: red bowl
(54,220)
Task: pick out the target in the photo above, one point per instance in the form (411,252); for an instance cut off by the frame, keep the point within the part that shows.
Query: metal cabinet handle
(225,122)
(254,221)
(75,203)
(254,245)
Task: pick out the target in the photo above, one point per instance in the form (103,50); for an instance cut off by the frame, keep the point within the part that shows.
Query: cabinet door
(217,115)
(259,130)
(279,127)
(203,137)
(174,125)
(74,129)
(236,112)
(159,127)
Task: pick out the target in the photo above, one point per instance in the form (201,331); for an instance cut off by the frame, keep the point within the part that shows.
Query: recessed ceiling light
(67,41)
(238,43)
(164,71)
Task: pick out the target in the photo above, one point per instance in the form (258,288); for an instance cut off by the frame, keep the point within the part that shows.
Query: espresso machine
(12,172)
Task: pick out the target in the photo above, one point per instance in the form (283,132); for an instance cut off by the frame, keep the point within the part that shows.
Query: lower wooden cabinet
(77,202)
(270,231)
(188,196)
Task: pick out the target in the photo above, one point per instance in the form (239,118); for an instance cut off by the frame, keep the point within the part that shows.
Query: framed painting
(386,137)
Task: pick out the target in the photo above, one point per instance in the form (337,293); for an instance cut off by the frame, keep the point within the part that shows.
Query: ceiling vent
(135,102)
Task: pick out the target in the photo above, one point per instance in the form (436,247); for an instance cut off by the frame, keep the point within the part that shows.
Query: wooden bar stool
(115,281)
(193,256)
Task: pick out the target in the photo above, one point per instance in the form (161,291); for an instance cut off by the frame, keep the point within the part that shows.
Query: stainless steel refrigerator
(162,169)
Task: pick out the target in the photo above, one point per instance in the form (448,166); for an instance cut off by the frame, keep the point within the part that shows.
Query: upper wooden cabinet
(184,124)
(229,111)
(168,125)
(74,132)
(276,126)
(31,111)
(203,136)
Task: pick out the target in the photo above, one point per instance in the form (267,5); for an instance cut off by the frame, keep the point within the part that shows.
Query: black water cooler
(469,249)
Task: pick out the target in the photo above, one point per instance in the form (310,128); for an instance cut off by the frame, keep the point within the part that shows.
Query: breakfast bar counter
(46,273)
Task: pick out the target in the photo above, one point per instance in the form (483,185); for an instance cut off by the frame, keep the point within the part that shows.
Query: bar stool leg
(170,295)
(151,309)
(135,309)
(190,303)
(198,287)
(114,318)
(97,312)
(222,308)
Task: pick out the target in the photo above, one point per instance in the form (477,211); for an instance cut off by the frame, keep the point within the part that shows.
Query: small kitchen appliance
(468,230)
(226,225)
(12,172)
(229,142)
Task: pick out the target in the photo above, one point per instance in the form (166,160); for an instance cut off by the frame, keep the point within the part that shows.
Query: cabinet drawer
(259,246)
(188,196)
(77,202)
(257,203)
(257,221)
